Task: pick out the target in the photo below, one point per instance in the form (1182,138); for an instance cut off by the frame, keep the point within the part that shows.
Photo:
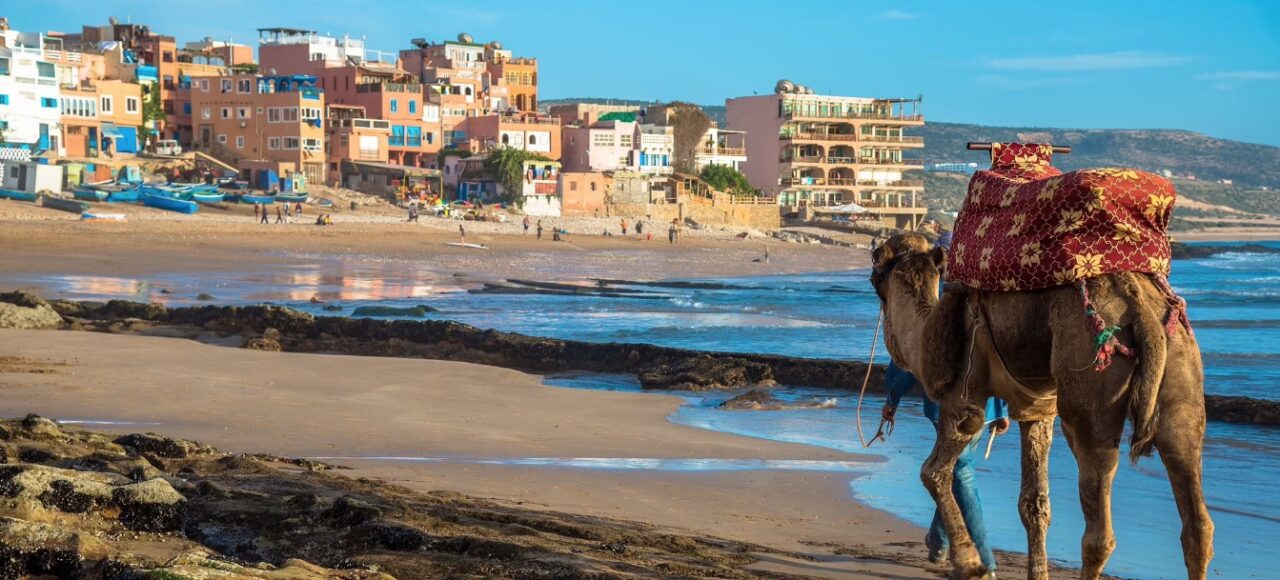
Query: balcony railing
(410,88)
(396,141)
(891,139)
(885,161)
(873,115)
(898,183)
(724,151)
(528,120)
(812,136)
(803,159)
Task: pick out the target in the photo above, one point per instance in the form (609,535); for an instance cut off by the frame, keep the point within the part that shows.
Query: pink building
(604,146)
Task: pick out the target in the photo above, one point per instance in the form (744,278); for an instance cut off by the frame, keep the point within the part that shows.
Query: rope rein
(871,357)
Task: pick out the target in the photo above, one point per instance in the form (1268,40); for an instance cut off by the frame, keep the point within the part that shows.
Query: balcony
(723,151)
(853,114)
(892,139)
(811,136)
(803,159)
(408,88)
(815,182)
(918,163)
(901,183)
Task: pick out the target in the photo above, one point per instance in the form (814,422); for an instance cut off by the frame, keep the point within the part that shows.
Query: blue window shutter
(643,159)
(394,105)
(413,106)
(4,99)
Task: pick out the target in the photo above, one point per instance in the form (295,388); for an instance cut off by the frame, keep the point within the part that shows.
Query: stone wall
(763,217)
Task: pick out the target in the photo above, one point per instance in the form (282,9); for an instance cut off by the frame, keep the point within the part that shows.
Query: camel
(1037,350)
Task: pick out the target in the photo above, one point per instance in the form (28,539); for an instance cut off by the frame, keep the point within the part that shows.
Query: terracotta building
(262,122)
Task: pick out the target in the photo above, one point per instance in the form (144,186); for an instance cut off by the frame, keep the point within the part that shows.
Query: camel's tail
(1145,385)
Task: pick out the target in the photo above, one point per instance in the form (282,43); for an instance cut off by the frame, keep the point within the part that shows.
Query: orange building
(101,118)
(352,136)
(253,121)
(520,77)
(582,193)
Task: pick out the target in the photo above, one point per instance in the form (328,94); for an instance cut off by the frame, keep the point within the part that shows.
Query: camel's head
(907,258)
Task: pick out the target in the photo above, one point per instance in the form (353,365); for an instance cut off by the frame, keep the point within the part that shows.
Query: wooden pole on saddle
(977,146)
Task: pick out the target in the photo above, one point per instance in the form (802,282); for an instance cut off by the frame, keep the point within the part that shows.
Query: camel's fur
(1043,341)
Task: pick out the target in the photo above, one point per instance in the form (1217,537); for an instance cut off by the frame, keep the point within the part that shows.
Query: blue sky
(1212,67)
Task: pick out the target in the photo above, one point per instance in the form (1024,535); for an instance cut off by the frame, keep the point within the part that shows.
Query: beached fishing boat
(169,203)
(64,204)
(324,202)
(259,199)
(18,195)
(123,196)
(207,198)
(87,193)
(284,198)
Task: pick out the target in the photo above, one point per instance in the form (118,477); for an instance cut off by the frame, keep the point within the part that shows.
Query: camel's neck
(908,325)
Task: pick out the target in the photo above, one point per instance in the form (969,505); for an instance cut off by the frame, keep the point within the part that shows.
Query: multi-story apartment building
(30,100)
(100,117)
(262,122)
(806,149)
(486,77)
(227,52)
(587,114)
(381,89)
(655,145)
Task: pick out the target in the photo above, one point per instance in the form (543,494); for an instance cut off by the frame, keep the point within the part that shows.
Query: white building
(722,147)
(30,108)
(654,149)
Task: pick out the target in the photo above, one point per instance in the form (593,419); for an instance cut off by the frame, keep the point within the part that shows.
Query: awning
(110,130)
(846,208)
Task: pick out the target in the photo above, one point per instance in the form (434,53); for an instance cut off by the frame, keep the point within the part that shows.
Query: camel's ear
(882,254)
(939,257)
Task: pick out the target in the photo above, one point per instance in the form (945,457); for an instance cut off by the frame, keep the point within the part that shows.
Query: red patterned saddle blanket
(1025,225)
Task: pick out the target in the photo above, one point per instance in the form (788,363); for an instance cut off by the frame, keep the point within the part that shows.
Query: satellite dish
(113,21)
(784,86)
(495,45)
(800,90)
(464,38)
(419,42)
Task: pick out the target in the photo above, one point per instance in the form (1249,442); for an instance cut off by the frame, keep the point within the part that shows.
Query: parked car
(168,147)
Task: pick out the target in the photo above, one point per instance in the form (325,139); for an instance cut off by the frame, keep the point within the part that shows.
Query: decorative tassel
(1105,342)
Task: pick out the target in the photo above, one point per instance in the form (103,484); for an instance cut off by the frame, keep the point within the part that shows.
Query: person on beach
(526,225)
(964,483)
(279,215)
(539,229)
(671,233)
(639,228)
(462,234)
(257,209)
(624,226)
(288,215)
(265,215)
(297,210)
(413,213)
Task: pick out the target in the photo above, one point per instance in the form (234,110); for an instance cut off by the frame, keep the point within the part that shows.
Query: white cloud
(1007,83)
(899,15)
(1241,75)
(1078,62)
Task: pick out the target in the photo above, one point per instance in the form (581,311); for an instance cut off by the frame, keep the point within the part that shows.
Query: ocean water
(1234,305)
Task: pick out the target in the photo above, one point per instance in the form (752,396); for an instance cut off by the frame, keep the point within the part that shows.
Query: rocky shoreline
(1181,251)
(279,328)
(78,504)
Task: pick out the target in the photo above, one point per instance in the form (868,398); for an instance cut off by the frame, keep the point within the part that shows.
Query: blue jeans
(965,488)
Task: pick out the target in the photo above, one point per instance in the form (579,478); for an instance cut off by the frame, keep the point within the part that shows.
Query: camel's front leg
(938,474)
(1033,501)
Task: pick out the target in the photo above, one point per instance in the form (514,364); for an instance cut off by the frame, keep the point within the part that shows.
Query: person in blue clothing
(964,486)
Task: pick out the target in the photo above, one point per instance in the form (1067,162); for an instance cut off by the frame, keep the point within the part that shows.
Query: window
(226,85)
(222,138)
(239,141)
(226,112)
(309,113)
(624,140)
(593,186)
(131,105)
(46,70)
(602,140)
(245,86)
(533,139)
(289,114)
(273,143)
(106,104)
(395,105)
(414,137)
(168,56)
(310,144)
(397,136)
(290,142)
(573,186)
(273,114)
(244,112)
(4,99)
(204,85)
(186,108)
(431,137)
(4,66)
(206,113)
(413,106)
(48,103)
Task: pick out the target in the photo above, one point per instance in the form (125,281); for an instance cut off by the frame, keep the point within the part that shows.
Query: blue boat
(300,198)
(259,199)
(89,193)
(207,198)
(169,203)
(18,195)
(64,204)
(123,196)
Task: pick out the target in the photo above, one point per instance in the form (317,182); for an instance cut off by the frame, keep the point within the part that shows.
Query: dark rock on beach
(705,372)
(762,400)
(393,312)
(208,514)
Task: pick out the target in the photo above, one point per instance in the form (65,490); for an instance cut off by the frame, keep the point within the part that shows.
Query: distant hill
(1249,166)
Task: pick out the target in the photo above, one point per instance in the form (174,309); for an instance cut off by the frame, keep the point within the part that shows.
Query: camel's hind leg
(956,428)
(1180,441)
(1033,501)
